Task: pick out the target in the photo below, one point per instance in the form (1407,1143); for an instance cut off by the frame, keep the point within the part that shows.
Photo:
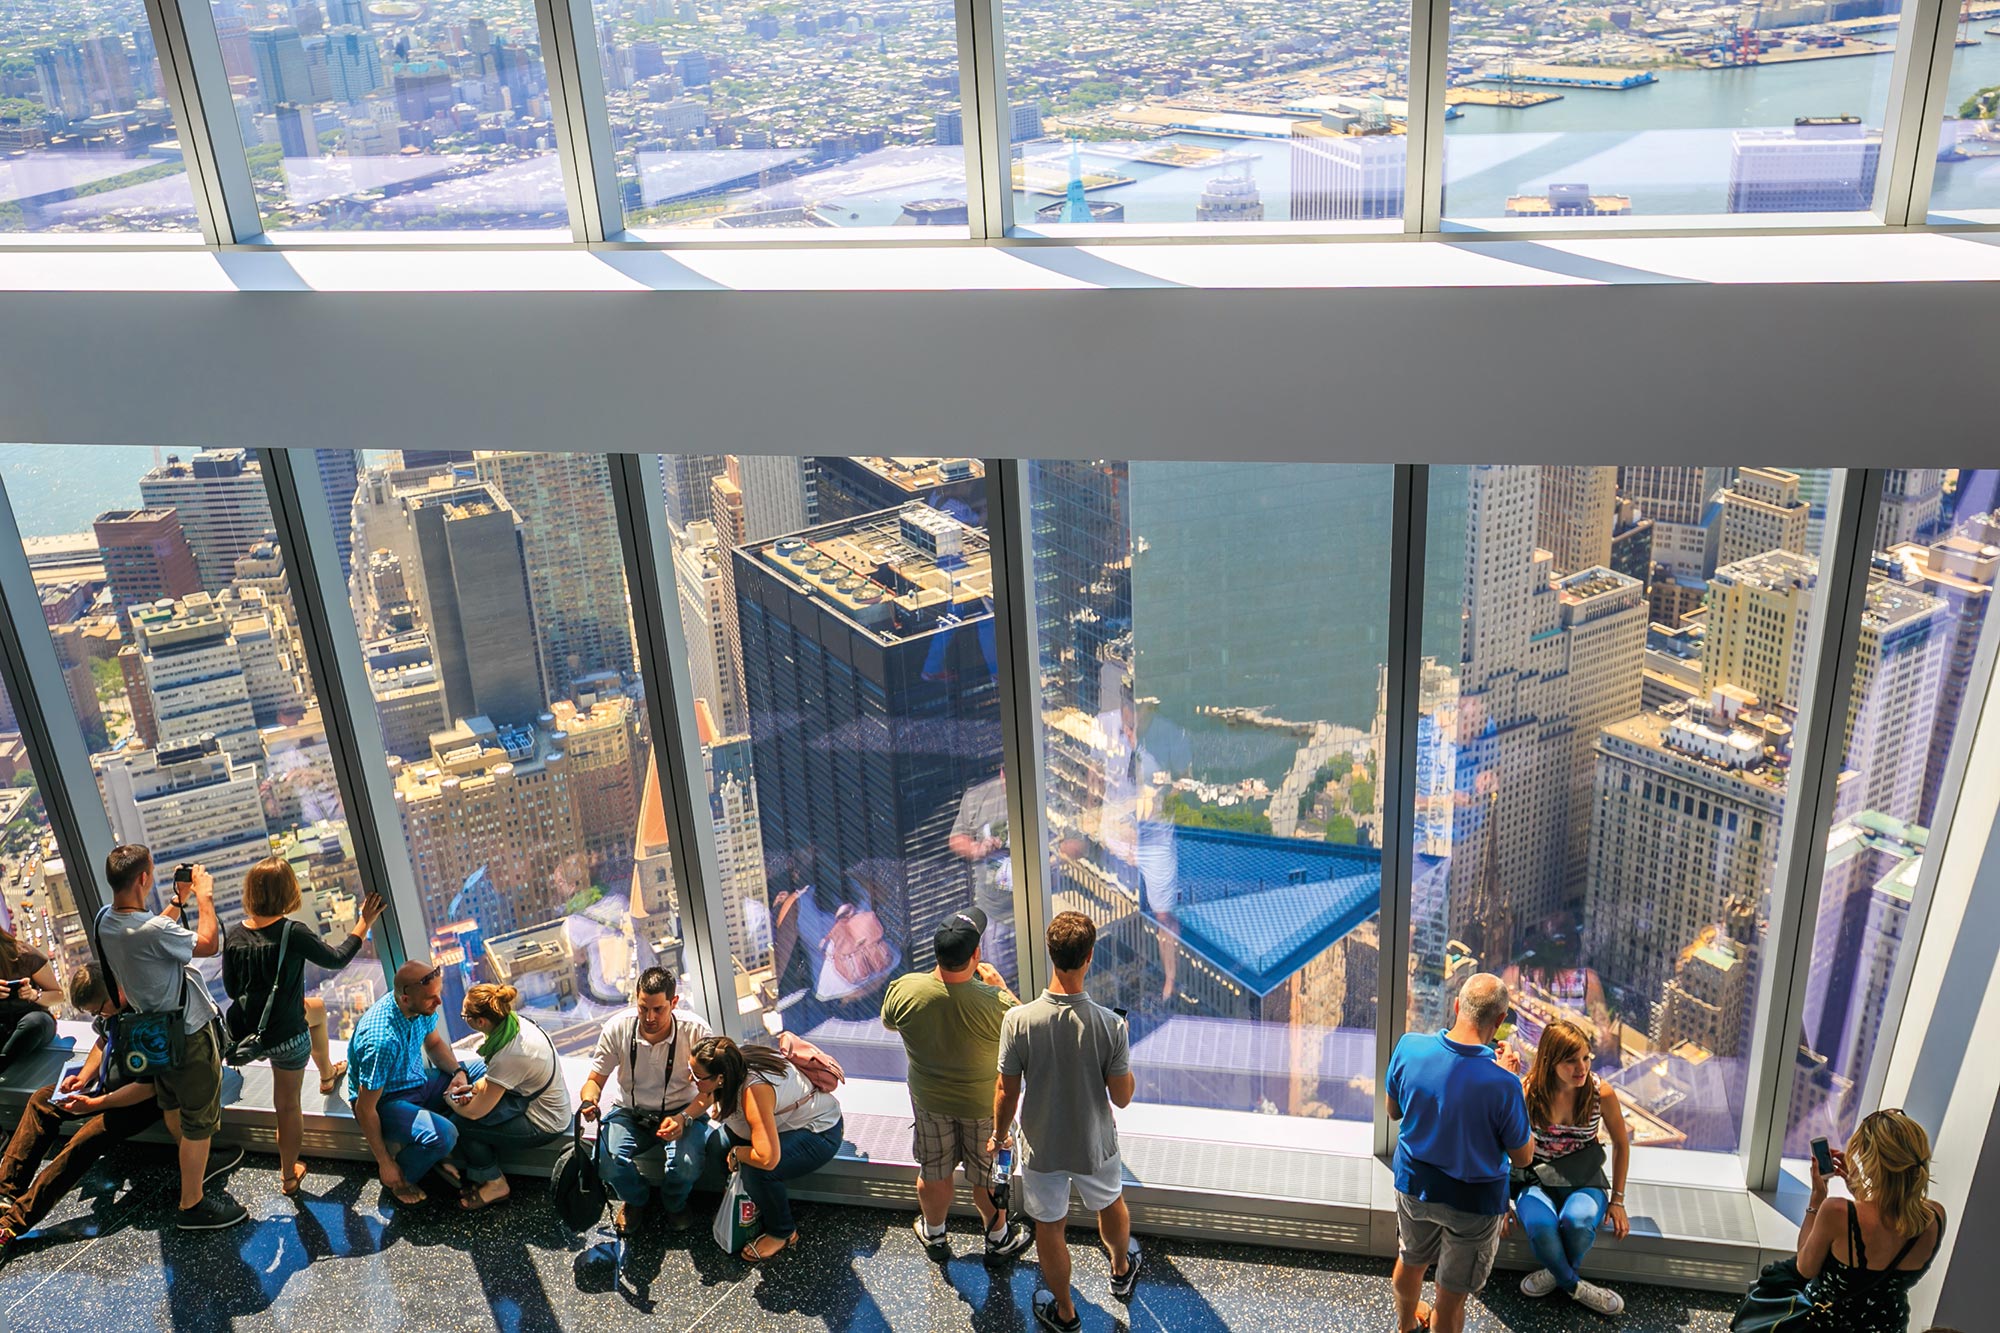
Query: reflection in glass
(778,117)
(1176,114)
(172,611)
(1967,182)
(370,115)
(839,612)
(1936,541)
(1574,112)
(38,907)
(491,598)
(1211,645)
(87,139)
(1612,666)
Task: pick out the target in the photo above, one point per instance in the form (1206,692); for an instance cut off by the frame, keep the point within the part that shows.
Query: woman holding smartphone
(521,1102)
(26,1025)
(298,1023)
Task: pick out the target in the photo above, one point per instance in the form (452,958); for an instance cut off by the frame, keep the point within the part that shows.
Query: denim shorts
(292,1053)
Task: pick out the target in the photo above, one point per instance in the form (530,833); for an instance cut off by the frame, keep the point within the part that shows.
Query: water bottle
(1003,1175)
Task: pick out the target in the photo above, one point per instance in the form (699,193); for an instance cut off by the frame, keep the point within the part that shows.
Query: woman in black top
(298,1024)
(1843,1243)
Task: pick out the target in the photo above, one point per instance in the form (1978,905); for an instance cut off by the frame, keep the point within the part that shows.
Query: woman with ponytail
(523,1102)
(1845,1245)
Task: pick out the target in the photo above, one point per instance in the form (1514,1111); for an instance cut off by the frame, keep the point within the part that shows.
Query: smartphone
(1822,1155)
(184,873)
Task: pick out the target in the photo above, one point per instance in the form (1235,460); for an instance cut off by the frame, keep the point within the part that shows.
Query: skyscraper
(708,617)
(1872,862)
(212,667)
(1761,511)
(1083,571)
(146,557)
(1892,713)
(569,538)
(1574,519)
(1757,614)
(1911,500)
(604,748)
(779,495)
(739,842)
(223,508)
(340,475)
(189,801)
(873,708)
(1339,176)
(847,488)
(282,74)
(354,63)
(1960,570)
(1820,165)
(1231,199)
(685,478)
(1672,494)
(472,584)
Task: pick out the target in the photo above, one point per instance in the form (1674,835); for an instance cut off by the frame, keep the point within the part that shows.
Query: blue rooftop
(1262,907)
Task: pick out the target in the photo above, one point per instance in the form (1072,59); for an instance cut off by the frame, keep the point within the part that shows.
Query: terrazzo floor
(341,1260)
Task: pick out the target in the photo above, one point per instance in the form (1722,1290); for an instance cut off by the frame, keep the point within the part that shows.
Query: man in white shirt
(658,1103)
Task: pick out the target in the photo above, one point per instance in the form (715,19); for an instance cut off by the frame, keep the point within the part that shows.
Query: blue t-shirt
(386,1052)
(1461,1114)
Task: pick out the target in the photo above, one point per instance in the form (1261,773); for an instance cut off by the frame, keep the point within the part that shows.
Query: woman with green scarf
(523,1102)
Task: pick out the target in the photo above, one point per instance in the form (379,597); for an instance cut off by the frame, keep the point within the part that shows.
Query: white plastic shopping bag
(736,1223)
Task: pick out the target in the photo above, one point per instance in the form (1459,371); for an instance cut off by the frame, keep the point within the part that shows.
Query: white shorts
(1045,1194)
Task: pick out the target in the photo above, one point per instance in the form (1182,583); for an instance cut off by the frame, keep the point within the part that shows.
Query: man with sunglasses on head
(650,1047)
(399,1102)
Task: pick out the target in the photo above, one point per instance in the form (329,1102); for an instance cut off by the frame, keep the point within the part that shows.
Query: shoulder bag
(144,1043)
(250,1048)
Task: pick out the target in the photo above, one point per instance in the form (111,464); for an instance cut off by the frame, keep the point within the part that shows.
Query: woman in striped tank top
(1565,1196)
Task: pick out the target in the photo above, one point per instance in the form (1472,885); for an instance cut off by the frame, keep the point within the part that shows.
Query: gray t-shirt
(1064,1047)
(148,955)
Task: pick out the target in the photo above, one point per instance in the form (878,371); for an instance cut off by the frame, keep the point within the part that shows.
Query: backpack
(575,1188)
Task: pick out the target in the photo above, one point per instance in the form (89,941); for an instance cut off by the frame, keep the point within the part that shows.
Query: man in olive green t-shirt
(949,1019)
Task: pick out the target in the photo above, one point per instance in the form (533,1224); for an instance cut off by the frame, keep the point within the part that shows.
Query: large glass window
(383,115)
(1967,184)
(839,615)
(1212,726)
(490,594)
(87,139)
(38,906)
(174,622)
(1174,113)
(784,116)
(1936,544)
(1576,111)
(1612,667)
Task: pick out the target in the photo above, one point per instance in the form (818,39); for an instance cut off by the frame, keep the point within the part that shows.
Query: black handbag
(1777,1302)
(250,1048)
(1582,1169)
(144,1044)
(574,1186)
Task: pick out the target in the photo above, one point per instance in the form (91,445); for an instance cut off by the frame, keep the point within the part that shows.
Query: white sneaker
(1593,1297)
(1538,1283)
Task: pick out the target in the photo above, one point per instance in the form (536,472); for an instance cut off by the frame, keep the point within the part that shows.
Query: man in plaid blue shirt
(398,1101)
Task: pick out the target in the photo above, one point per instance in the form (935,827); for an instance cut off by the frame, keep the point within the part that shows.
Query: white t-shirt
(798,1106)
(524,1065)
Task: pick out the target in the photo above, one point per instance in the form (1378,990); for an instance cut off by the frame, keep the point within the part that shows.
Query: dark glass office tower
(472,583)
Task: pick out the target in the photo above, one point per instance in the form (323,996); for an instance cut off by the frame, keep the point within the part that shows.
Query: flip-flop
(290,1188)
(750,1254)
(402,1196)
(328,1083)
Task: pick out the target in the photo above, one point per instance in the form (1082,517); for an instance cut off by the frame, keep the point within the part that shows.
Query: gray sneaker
(1123,1284)
(215,1211)
(1593,1297)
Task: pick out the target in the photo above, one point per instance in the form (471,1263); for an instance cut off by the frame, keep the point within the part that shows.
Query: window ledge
(1609,260)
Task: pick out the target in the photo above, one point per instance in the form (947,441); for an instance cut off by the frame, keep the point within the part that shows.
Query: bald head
(1483,1002)
(410,976)
(419,988)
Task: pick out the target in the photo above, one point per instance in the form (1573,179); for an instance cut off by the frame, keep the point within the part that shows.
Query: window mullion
(582,119)
(1408,533)
(1917,91)
(1015,637)
(211,138)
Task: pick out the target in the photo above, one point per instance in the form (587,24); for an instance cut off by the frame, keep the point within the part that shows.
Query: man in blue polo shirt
(1464,1121)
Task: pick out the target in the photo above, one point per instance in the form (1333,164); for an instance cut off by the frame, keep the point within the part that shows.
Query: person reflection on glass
(979,838)
(1142,754)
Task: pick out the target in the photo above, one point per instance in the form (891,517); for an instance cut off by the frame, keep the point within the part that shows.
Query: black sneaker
(222,1159)
(1018,1238)
(1123,1284)
(938,1246)
(1046,1316)
(215,1211)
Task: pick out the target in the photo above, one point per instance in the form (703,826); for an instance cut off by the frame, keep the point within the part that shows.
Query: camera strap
(667,1074)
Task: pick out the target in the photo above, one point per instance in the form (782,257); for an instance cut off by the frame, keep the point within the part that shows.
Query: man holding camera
(650,1047)
(151,960)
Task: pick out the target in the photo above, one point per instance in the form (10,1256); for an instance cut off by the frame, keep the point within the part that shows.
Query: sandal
(290,1187)
(752,1255)
(472,1200)
(405,1195)
(328,1082)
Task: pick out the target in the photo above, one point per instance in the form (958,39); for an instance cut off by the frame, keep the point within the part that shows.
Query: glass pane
(38,906)
(1967,184)
(1937,554)
(87,139)
(489,588)
(1574,111)
(1612,665)
(387,115)
(1211,716)
(839,612)
(173,617)
(1174,113)
(779,117)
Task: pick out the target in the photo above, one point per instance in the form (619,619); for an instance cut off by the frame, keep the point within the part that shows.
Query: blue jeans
(504,1129)
(619,1149)
(800,1152)
(1560,1237)
(416,1125)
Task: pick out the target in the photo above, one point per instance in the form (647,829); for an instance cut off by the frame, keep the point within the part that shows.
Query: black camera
(646,1125)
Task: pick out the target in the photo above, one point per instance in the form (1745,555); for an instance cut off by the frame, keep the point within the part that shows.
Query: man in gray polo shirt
(1065,1061)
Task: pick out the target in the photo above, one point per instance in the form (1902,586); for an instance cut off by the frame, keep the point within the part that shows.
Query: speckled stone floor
(340,1260)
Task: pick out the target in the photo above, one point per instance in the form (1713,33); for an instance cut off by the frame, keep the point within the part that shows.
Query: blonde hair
(1889,1165)
(270,888)
(489,1003)
(1561,1042)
